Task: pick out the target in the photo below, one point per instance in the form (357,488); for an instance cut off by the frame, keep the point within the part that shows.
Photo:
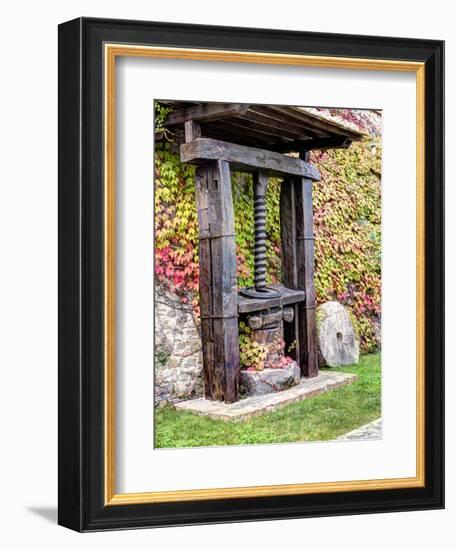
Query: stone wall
(178,355)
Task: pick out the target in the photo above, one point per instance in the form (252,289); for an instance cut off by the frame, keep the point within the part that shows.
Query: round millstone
(336,336)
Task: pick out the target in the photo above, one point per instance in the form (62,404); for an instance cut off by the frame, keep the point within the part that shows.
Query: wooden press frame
(218,294)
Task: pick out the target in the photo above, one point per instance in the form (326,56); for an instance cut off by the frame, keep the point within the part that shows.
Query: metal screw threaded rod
(259,255)
(260,290)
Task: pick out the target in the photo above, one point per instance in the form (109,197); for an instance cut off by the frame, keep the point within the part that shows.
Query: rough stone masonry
(178,351)
(178,355)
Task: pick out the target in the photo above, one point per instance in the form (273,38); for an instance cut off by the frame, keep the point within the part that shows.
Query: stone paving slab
(261,404)
(370,431)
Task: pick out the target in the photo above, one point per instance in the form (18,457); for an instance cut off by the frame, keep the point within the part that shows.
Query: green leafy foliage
(176,224)
(161,112)
(252,354)
(347,225)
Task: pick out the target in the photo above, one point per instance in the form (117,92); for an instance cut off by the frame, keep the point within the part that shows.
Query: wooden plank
(288,296)
(218,282)
(288,233)
(245,158)
(205,280)
(258,114)
(247,124)
(322,123)
(289,273)
(335,142)
(230,131)
(192,130)
(224,281)
(241,131)
(319,125)
(220,131)
(205,112)
(285,117)
(305,276)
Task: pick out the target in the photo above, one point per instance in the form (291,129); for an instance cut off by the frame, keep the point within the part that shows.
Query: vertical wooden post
(192,130)
(289,270)
(305,261)
(298,269)
(218,283)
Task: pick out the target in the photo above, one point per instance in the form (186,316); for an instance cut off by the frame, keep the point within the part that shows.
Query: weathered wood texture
(275,128)
(218,284)
(336,142)
(192,130)
(298,270)
(289,275)
(287,296)
(246,158)
(205,112)
(319,125)
(305,261)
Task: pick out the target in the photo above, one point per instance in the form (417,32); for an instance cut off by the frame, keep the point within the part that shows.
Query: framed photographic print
(251,313)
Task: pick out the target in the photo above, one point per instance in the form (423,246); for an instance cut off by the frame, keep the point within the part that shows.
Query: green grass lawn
(320,418)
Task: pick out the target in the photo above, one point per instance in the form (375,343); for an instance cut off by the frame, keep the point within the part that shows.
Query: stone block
(257,405)
(269,380)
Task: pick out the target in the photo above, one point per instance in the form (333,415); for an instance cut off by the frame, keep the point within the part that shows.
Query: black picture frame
(81,428)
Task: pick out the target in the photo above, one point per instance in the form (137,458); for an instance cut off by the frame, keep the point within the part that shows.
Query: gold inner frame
(111,52)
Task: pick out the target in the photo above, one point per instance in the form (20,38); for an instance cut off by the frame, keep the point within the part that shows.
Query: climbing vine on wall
(176,224)
(347,224)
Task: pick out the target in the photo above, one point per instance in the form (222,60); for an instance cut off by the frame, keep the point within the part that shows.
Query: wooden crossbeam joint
(246,158)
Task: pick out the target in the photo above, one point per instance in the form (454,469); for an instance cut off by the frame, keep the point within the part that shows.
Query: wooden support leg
(289,273)
(305,261)
(218,285)
(298,270)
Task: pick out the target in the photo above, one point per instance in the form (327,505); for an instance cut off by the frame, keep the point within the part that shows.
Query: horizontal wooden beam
(335,142)
(205,112)
(287,296)
(246,158)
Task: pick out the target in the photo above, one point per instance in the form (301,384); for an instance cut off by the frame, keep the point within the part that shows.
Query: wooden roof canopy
(276,128)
